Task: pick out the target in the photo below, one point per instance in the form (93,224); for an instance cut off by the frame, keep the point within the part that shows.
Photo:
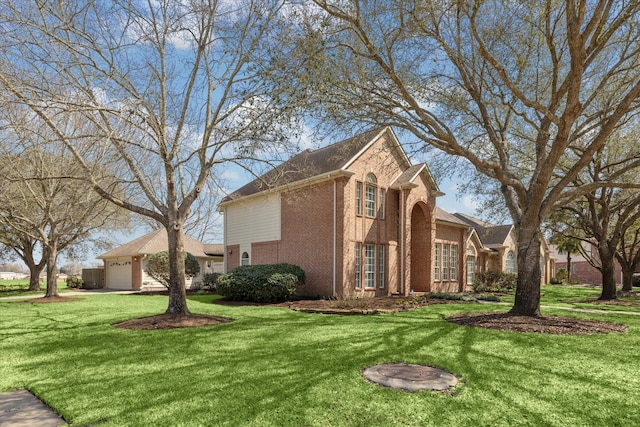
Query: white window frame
(358,198)
(383,195)
(445,261)
(369,266)
(370,193)
(358,262)
(453,275)
(245,260)
(436,266)
(471,268)
(510,263)
(381,268)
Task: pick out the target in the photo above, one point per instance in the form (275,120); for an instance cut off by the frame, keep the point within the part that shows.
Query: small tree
(158,267)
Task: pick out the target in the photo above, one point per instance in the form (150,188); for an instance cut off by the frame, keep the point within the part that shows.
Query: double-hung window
(445,262)
(383,196)
(370,196)
(454,262)
(358,277)
(381,264)
(369,265)
(358,198)
(471,264)
(436,267)
(511,262)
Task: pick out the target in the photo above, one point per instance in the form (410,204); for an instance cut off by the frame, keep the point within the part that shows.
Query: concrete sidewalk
(20,408)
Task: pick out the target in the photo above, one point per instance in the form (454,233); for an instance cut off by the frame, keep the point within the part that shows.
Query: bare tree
(515,88)
(46,203)
(628,255)
(170,90)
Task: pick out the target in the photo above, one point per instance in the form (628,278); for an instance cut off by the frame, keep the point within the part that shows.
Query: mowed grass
(9,288)
(578,297)
(276,367)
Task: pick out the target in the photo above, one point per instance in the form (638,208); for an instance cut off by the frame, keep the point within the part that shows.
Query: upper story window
(358,198)
(383,196)
(370,195)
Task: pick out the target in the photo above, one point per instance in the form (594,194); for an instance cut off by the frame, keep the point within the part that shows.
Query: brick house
(581,268)
(125,266)
(494,248)
(357,216)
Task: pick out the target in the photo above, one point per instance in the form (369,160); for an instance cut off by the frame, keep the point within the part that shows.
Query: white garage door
(119,274)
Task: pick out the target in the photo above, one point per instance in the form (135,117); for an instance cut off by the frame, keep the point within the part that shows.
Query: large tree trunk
(52,279)
(568,266)
(34,276)
(177,289)
(608,272)
(627,279)
(527,302)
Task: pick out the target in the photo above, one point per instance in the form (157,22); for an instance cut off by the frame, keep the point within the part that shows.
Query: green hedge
(494,281)
(261,283)
(74,282)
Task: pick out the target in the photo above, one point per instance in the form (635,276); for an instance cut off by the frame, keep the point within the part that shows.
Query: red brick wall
(232,257)
(265,253)
(588,274)
(307,235)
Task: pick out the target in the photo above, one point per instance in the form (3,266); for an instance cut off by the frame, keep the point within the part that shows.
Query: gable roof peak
(331,159)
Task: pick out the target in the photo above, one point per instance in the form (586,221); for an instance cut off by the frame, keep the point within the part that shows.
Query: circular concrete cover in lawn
(410,378)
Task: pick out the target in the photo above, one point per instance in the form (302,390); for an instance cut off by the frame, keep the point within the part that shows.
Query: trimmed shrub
(210,280)
(74,282)
(158,267)
(261,283)
(494,281)
(562,275)
(463,296)
(635,280)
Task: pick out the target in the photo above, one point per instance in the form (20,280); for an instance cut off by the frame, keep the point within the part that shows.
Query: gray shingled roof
(407,176)
(443,215)
(308,164)
(494,236)
(489,234)
(157,241)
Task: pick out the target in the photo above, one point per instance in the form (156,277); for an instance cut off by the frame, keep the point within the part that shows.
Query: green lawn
(9,288)
(576,297)
(275,367)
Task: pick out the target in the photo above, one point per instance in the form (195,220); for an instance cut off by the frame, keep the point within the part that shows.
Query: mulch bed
(540,324)
(172,321)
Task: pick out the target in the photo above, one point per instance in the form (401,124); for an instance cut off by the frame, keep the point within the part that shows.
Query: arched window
(245,259)
(511,262)
(370,195)
(471,264)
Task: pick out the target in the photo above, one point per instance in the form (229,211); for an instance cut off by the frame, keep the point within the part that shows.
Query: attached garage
(119,273)
(124,266)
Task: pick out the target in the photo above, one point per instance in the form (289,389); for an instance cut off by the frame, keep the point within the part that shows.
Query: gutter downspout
(335,231)
(225,255)
(402,233)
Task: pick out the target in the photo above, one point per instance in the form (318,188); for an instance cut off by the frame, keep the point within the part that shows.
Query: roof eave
(327,176)
(455,224)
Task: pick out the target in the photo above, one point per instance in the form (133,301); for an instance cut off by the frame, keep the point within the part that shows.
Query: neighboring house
(357,216)
(494,248)
(124,267)
(10,275)
(581,269)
